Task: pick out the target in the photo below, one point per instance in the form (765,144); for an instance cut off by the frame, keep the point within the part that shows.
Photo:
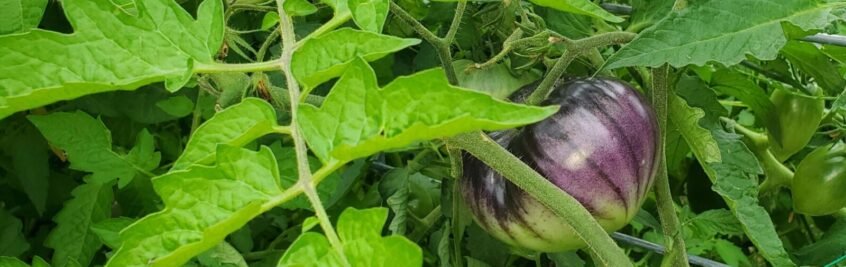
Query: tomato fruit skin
(798,117)
(600,147)
(819,184)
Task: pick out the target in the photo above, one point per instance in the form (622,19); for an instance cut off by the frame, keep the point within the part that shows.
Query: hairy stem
(666,208)
(240,67)
(456,171)
(574,50)
(568,208)
(286,28)
(777,175)
(330,25)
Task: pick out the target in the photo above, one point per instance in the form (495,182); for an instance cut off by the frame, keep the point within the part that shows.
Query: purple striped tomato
(601,148)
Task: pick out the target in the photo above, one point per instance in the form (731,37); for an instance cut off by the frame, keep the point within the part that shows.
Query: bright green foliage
(112,48)
(298,8)
(686,121)
(495,80)
(583,7)
(721,31)
(287,161)
(222,255)
(745,89)
(20,15)
(15,262)
(12,241)
(808,58)
(734,176)
(322,58)
(236,126)
(359,119)
(202,205)
(73,239)
(88,145)
(109,230)
(360,232)
(369,15)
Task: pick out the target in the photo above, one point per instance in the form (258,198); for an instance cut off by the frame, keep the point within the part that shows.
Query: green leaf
(685,120)
(109,50)
(646,12)
(809,59)
(270,19)
(335,50)
(109,230)
(12,241)
(73,239)
(30,161)
(286,158)
(18,16)
(140,106)
(730,253)
(582,7)
(721,31)
(339,6)
(203,204)
(570,25)
(6,261)
(713,222)
(177,106)
(88,145)
(222,255)
(735,176)
(369,15)
(747,91)
(360,233)
(826,249)
(233,87)
(236,126)
(495,80)
(298,8)
(358,119)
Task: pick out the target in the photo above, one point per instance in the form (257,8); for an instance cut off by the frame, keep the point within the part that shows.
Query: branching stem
(304,180)
(574,50)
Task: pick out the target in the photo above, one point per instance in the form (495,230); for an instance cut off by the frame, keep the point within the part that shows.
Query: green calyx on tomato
(820,181)
(797,119)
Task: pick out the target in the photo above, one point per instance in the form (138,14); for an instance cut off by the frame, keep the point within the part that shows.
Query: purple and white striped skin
(601,148)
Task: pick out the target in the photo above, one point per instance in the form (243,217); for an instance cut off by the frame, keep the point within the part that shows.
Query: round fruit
(601,147)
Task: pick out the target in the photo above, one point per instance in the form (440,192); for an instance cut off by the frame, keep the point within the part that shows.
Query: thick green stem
(418,27)
(456,22)
(777,175)
(442,45)
(241,67)
(574,50)
(289,43)
(561,203)
(456,171)
(670,224)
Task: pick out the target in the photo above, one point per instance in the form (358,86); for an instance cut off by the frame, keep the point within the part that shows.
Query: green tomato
(820,181)
(797,117)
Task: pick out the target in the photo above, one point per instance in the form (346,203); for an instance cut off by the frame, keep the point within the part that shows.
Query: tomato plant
(422,133)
